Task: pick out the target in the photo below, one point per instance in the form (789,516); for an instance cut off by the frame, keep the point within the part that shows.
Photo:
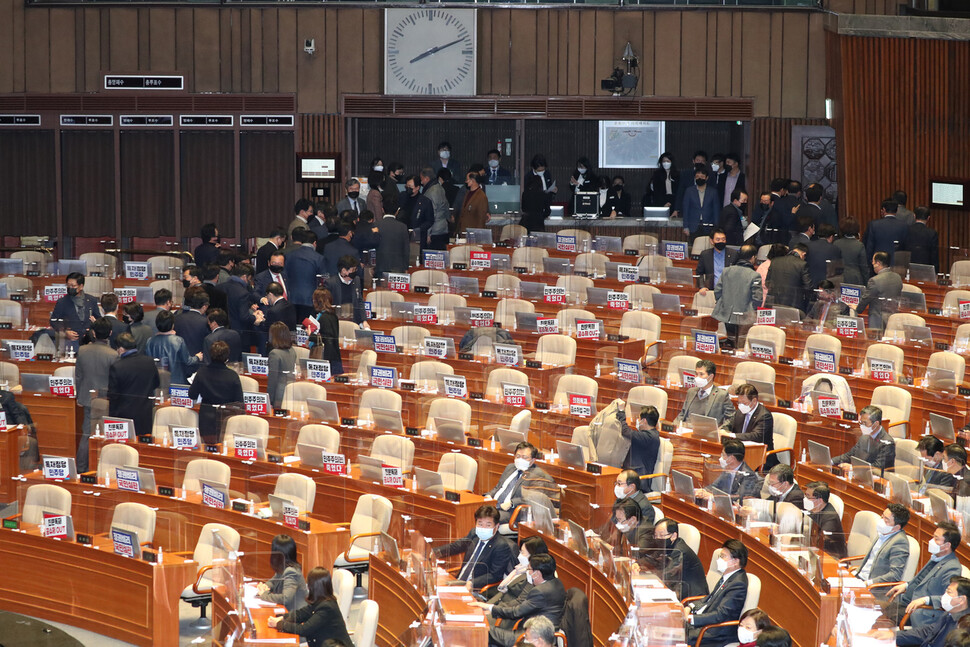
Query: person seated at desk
(930,582)
(680,568)
(874,446)
(321,619)
(287,586)
(488,555)
(522,474)
(955,464)
(724,603)
(753,422)
(737,478)
(827,305)
(627,487)
(934,634)
(886,558)
(825,519)
(705,398)
(629,527)
(540,632)
(753,622)
(644,441)
(516,584)
(935,474)
(547,597)
(773,637)
(782,486)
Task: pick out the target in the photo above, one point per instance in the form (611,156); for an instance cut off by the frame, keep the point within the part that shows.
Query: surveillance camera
(308,46)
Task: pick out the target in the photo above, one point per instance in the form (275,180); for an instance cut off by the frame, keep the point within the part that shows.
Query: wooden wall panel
(123,40)
(7,46)
(290,42)
(771,152)
(206,43)
(522,55)
(37,52)
(62,51)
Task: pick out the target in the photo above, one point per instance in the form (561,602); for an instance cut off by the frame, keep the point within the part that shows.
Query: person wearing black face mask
(680,568)
(700,206)
(74,312)
(345,288)
(734,218)
(617,203)
(713,261)
(275,273)
(352,202)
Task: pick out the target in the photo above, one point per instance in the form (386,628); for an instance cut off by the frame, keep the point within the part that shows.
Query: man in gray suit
(902,212)
(738,291)
(789,282)
(886,558)
(352,202)
(882,292)
(394,250)
(706,399)
(163,301)
(874,446)
(931,581)
(91,380)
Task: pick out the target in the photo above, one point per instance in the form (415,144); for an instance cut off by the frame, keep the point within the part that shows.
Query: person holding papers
(935,474)
(886,558)
(874,446)
(736,479)
(324,330)
(522,474)
(930,582)
(724,602)
(321,619)
(934,634)
(826,524)
(287,586)
(488,555)
(705,398)
(752,422)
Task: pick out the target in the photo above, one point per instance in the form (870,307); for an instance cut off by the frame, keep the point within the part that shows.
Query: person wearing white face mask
(446,160)
(628,524)
(705,398)
(934,634)
(753,422)
(874,446)
(627,486)
(725,601)
(515,583)
(522,474)
(538,191)
(825,520)
(930,582)
(781,485)
(583,179)
(488,556)
(737,478)
(886,558)
(494,173)
(664,183)
(753,622)
(934,474)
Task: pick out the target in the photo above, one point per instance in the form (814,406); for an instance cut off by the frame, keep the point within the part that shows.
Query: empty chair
(171,265)
(446,304)
(462,254)
(771,334)
(97,285)
(458,472)
(578,384)
(783,436)
(703,302)
(114,455)
(949,361)
(11,312)
(592,263)
(343,590)
(896,405)
(10,374)
(513,232)
(530,258)
(371,517)
(298,489)
(521,422)
(396,451)
(655,266)
(691,536)
(566,318)
(678,363)
(951,301)
(64,371)
(434,280)
(249,384)
(641,243)
(581,437)
(367,359)
(959,273)
(556,350)
(410,336)
(745,371)
(166,417)
(907,302)
(451,409)
(641,296)
(206,469)
(245,425)
(137,518)
(661,468)
(380,398)
(641,396)
(506,309)
(44,497)
(320,435)
(837,503)
(365,631)
(961,338)
(381,300)
(18,285)
(502,283)
(105,264)
(583,238)
(296,393)
(823,342)
(498,376)
(889,353)
(34,261)
(898,321)
(425,373)
(646,326)
(576,287)
(908,463)
(215,542)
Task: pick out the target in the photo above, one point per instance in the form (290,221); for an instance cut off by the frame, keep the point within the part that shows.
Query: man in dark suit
(142,332)
(824,258)
(714,260)
(421,215)
(345,289)
(789,283)
(874,446)
(163,301)
(494,173)
(275,272)
(207,252)
(782,487)
(827,529)
(887,233)
(352,202)
(737,478)
(546,598)
(701,206)
(132,381)
(210,283)
(74,312)
(881,295)
(275,243)
(922,241)
(522,474)
(218,320)
(627,486)
(339,248)
(109,309)
(394,248)
(931,581)
(774,225)
(805,230)
(682,570)
(820,209)
(705,398)
(276,308)
(242,301)
(488,556)
(304,268)
(725,602)
(733,220)
(644,440)
(217,385)
(91,380)
(935,474)
(302,212)
(753,422)
(191,325)
(935,633)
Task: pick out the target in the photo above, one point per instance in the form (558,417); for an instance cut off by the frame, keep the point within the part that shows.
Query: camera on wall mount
(622,83)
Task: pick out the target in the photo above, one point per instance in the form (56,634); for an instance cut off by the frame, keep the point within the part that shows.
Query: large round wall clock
(430,51)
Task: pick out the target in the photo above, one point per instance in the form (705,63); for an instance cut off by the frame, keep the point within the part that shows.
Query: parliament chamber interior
(563,324)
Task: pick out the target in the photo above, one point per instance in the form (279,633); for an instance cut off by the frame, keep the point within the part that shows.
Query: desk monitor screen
(703,426)
(323,410)
(402,309)
(144,294)
(531,290)
(501,262)
(276,505)
(541,508)
(260,445)
(450,429)
(479,236)
(612,268)
(554,265)
(311,454)
(767,347)
(577,538)
(819,454)
(11,266)
(371,469)
(679,276)
(364,338)
(861,472)
(508,439)
(146,478)
(527,321)
(939,504)
(918,334)
(722,505)
(34,382)
(912,301)
(941,379)
(222,488)
(387,419)
(111,419)
(597,296)
(922,273)
(545,239)
(683,484)
(899,490)
(67,265)
(666,302)
(428,482)
(464,285)
(766,390)
(121,538)
(941,427)
(571,454)
(71,464)
(388,546)
(608,244)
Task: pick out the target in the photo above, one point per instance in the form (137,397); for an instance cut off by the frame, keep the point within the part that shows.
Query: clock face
(430,51)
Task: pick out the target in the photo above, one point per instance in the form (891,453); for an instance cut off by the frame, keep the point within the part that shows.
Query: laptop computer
(402,310)
(120,539)
(218,487)
(449,345)
(912,301)
(428,482)
(683,484)
(109,419)
(387,419)
(144,294)
(939,505)
(922,273)
(703,427)
(571,454)
(508,439)
(899,490)
(449,429)
(763,346)
(323,410)
(501,262)
(577,538)
(527,321)
(364,339)
(35,382)
(861,472)
(371,469)
(276,505)
(260,445)
(612,268)
(597,296)
(531,290)
(666,302)
(464,285)
(71,464)
(819,454)
(722,506)
(554,265)
(918,334)
(146,478)
(942,427)
(311,454)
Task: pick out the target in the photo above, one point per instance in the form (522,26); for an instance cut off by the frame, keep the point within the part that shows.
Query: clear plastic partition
(888,363)
(698,336)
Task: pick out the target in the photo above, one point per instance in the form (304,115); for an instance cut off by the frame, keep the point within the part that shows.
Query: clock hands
(435,50)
